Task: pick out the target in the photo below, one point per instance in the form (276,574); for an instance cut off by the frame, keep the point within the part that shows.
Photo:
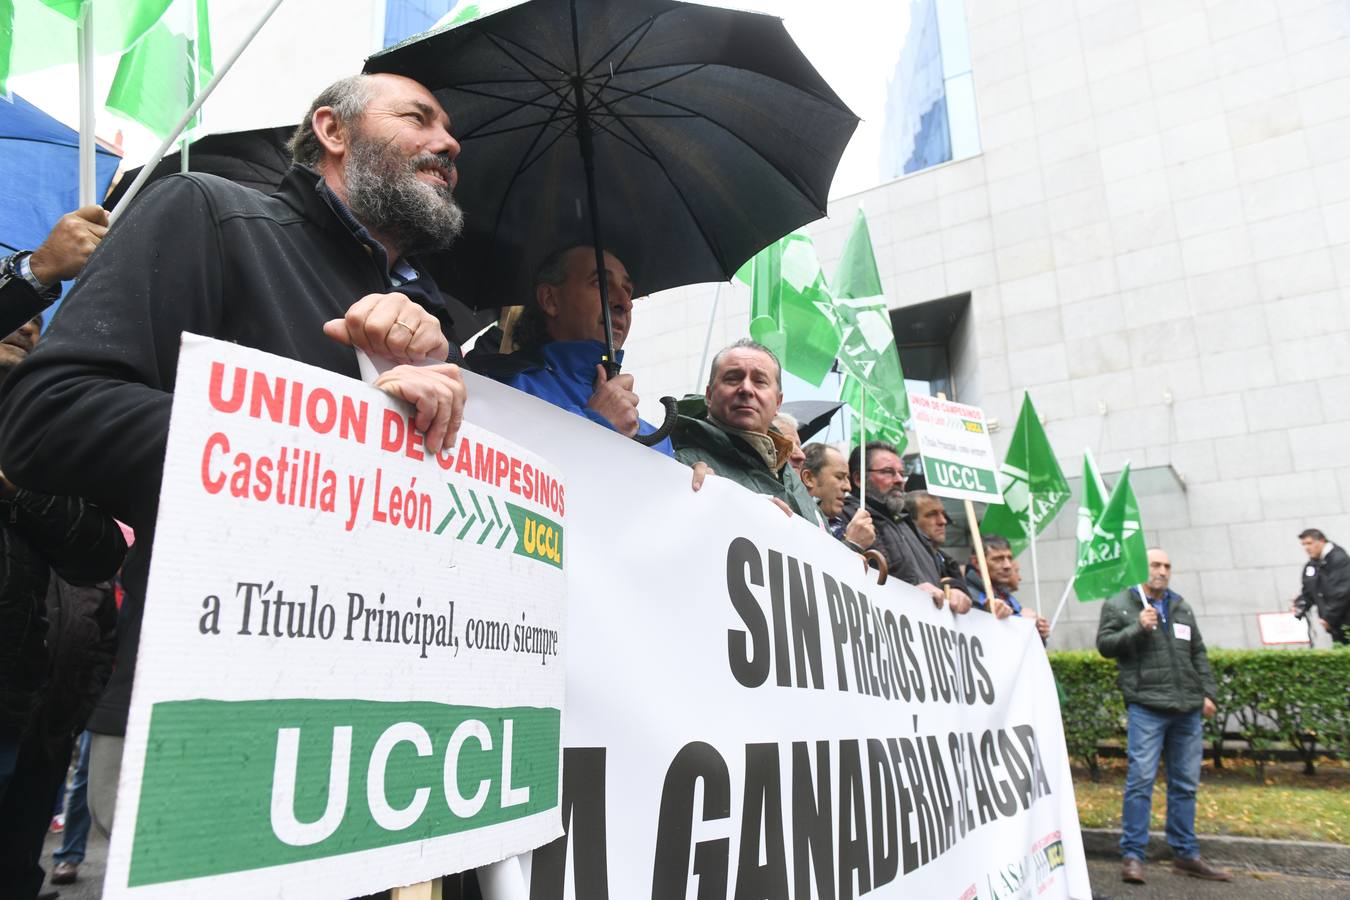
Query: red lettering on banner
(222,443)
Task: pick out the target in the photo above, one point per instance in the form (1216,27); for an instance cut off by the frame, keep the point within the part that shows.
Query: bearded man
(908,557)
(321,268)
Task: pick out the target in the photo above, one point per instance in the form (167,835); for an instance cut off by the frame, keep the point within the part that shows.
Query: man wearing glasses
(907,557)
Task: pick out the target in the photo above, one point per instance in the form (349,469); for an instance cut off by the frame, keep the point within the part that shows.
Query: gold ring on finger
(411,328)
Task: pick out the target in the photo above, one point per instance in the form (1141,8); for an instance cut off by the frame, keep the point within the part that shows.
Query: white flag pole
(1031,530)
(169,141)
(1062,600)
(84,36)
(862,447)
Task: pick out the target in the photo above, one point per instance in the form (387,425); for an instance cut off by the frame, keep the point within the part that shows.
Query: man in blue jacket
(561,341)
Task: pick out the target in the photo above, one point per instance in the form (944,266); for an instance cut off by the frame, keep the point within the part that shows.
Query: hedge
(1266,697)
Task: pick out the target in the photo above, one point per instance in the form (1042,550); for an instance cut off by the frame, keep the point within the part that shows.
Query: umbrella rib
(707,238)
(531,160)
(695,114)
(644,27)
(534,102)
(499,41)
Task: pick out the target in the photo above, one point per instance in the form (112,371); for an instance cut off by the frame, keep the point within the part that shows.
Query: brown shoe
(65,873)
(1198,868)
(1132,870)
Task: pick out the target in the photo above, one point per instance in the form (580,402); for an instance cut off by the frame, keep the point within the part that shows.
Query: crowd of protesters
(328,265)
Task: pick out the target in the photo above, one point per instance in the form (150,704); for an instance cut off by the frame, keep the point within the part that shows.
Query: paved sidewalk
(1162,884)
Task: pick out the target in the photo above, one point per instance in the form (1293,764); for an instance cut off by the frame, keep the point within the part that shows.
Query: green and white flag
(1091,507)
(791,310)
(39,34)
(868,352)
(158,79)
(881,425)
(1034,486)
(1116,554)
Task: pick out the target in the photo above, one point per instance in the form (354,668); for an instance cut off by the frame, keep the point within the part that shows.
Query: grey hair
(787,419)
(746,344)
(348,98)
(816,455)
(916,499)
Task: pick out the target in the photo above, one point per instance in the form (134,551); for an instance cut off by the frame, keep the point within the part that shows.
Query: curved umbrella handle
(875,558)
(660,434)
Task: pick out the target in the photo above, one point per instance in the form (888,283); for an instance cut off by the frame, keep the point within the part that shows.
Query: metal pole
(862,448)
(85,41)
(1031,529)
(584,138)
(169,141)
(1062,600)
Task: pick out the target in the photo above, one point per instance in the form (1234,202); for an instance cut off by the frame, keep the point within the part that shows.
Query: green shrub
(1296,697)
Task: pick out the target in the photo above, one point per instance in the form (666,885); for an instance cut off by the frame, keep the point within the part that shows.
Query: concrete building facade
(1154,241)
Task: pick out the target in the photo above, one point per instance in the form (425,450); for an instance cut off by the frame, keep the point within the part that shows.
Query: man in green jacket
(1164,674)
(732,437)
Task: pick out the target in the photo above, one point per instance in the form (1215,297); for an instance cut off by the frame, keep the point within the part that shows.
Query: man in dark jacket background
(325,266)
(1326,584)
(909,557)
(52,668)
(1164,674)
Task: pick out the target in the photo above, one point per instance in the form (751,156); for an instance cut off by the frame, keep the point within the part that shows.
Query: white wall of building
(1156,241)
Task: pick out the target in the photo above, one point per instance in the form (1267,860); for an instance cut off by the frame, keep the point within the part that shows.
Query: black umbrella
(811,415)
(682,138)
(257,159)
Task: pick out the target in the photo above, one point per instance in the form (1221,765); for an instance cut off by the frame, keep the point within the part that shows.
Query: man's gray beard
(895,502)
(386,196)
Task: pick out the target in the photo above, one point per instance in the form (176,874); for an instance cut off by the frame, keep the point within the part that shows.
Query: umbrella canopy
(812,415)
(39,168)
(710,135)
(257,159)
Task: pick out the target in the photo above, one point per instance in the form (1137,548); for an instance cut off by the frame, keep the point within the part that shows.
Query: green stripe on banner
(955,475)
(214,795)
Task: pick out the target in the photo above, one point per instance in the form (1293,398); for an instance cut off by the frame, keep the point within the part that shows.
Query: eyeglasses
(888,472)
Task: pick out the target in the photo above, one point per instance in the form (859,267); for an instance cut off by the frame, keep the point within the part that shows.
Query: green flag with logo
(1091,506)
(158,79)
(1034,486)
(868,351)
(881,425)
(791,311)
(39,34)
(1115,555)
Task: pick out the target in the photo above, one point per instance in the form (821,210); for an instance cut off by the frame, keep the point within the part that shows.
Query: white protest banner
(351,663)
(750,715)
(958,457)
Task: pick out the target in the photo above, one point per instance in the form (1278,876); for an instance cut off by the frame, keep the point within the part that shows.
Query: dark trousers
(1340,625)
(25,815)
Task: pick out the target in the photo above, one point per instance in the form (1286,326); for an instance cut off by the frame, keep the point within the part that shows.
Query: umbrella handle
(873,558)
(660,434)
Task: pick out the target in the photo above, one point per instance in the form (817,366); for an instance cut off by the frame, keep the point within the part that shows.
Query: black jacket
(1326,584)
(908,556)
(19,303)
(1165,669)
(40,534)
(88,412)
